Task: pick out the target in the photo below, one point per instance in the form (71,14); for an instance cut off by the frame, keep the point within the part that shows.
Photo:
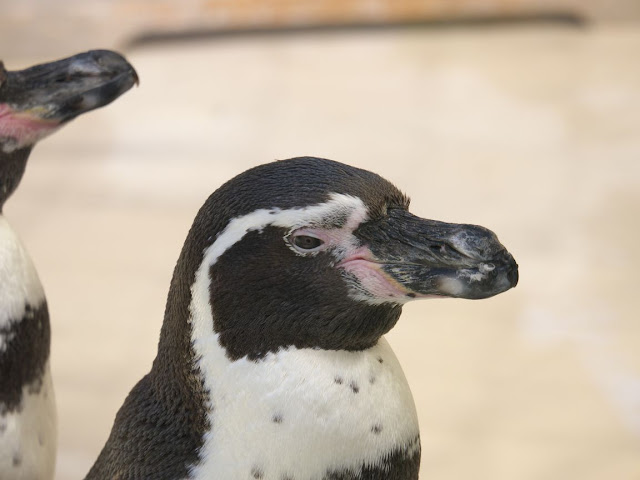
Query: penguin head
(312,253)
(36,101)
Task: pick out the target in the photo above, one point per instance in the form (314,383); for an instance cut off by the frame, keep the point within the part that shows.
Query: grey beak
(60,91)
(431,258)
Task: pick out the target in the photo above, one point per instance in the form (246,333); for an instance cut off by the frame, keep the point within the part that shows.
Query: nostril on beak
(75,103)
(506,263)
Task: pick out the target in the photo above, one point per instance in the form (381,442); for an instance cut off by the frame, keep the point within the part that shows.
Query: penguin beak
(43,97)
(419,258)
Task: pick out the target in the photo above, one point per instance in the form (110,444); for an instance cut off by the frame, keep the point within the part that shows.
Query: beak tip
(513,276)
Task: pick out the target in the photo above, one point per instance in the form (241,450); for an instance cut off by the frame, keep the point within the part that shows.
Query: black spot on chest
(256,472)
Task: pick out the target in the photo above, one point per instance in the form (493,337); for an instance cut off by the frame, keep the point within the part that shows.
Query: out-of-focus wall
(112,23)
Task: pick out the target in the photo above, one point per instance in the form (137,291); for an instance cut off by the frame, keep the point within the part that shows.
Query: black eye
(307,243)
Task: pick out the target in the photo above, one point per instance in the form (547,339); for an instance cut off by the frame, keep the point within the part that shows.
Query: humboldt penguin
(34,103)
(272,362)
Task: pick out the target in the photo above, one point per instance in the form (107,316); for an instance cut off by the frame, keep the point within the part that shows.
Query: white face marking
(337,207)
(297,412)
(340,240)
(28,438)
(18,278)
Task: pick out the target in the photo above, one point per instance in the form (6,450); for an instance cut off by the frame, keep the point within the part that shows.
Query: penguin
(34,103)
(272,362)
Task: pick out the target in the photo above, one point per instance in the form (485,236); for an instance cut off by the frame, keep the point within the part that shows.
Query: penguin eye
(307,243)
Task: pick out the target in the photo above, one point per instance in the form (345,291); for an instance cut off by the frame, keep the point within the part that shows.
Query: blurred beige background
(531,129)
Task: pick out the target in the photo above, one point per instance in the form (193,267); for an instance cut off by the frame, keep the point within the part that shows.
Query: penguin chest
(27,410)
(19,282)
(309,414)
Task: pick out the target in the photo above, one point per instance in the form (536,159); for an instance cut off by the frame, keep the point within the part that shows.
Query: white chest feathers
(18,278)
(28,435)
(300,413)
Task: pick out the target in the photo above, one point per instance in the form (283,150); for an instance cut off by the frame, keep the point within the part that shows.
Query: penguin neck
(175,358)
(12,166)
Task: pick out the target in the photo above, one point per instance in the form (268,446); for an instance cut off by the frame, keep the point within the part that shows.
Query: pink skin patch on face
(372,278)
(374,285)
(339,238)
(22,128)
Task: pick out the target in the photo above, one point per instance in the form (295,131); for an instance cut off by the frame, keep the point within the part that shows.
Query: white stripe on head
(297,412)
(19,281)
(337,207)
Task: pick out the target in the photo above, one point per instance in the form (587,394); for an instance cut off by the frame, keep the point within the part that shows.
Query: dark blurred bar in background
(116,23)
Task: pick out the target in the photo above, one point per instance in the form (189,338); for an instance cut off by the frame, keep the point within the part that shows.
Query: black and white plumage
(272,362)
(34,103)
